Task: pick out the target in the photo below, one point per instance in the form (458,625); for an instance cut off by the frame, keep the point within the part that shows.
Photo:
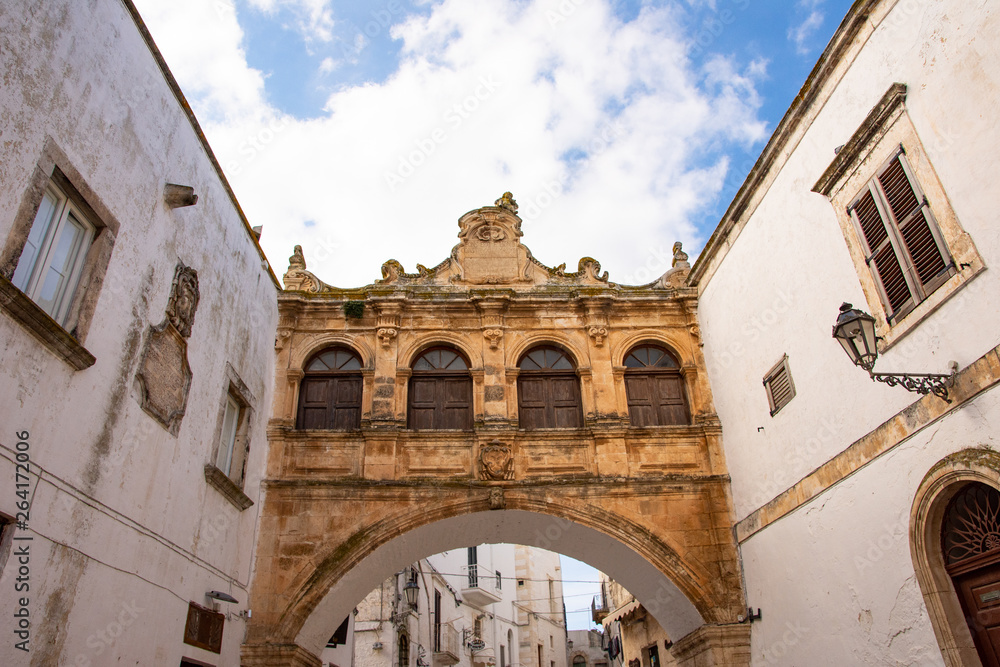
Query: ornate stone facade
(336,495)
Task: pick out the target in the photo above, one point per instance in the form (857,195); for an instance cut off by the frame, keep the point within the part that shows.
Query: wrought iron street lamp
(410,591)
(855,331)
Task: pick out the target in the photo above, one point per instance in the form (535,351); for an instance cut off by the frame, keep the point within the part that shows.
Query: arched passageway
(681,571)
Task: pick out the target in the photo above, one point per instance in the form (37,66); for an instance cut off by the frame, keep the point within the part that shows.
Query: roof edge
(821,72)
(196,126)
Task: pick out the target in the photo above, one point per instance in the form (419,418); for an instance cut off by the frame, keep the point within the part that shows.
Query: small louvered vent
(779,386)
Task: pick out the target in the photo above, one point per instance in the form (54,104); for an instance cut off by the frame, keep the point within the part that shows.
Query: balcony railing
(482,586)
(446,651)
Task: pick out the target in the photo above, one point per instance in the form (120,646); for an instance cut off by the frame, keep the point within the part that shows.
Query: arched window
(970,540)
(579,661)
(404,650)
(440,394)
(655,388)
(330,396)
(548,390)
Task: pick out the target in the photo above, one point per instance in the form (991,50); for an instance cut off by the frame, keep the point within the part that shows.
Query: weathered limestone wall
(827,558)
(126,531)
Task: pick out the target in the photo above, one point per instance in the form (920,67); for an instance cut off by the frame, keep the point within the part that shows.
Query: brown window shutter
(882,258)
(204,628)
(779,386)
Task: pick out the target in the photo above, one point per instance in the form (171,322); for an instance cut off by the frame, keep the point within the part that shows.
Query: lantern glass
(410,590)
(855,331)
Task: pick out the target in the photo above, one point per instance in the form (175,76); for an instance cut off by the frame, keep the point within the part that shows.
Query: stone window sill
(221,483)
(59,341)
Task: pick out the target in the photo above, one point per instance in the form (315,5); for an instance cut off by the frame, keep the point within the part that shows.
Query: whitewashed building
(876,189)
(492,605)
(137,318)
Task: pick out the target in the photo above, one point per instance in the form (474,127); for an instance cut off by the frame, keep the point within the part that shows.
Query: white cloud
(800,34)
(488,96)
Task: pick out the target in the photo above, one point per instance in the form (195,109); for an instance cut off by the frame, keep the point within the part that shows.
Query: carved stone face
(184,300)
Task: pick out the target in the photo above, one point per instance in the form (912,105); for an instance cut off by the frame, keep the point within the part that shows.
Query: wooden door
(979,593)
(656,399)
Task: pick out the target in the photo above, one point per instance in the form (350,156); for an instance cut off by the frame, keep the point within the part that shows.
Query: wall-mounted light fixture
(410,590)
(219,595)
(855,331)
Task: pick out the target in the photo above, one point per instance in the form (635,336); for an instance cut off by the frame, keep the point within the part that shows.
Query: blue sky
(362,131)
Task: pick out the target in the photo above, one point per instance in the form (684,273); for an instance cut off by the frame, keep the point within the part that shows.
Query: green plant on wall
(354,309)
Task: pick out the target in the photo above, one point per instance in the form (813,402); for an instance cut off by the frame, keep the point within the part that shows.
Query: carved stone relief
(164,375)
(496,461)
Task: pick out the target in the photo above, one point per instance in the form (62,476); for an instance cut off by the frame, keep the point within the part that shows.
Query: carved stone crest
(184,297)
(490,232)
(497,501)
(297,278)
(164,375)
(496,461)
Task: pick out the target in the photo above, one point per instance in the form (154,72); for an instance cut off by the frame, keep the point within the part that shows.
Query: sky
(363,130)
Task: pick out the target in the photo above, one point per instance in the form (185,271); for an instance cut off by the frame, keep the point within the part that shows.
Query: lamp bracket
(930,383)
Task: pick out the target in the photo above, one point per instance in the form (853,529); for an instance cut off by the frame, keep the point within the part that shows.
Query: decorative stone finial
(680,258)
(507,201)
(297,260)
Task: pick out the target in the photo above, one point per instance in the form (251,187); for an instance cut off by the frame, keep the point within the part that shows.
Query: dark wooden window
(548,390)
(437,621)
(779,386)
(903,246)
(204,628)
(340,634)
(654,388)
(330,396)
(404,651)
(440,395)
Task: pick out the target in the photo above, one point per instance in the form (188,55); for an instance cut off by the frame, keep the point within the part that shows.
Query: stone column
(491,312)
(714,646)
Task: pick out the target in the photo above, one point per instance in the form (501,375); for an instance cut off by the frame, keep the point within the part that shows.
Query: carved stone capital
(598,333)
(386,335)
(493,336)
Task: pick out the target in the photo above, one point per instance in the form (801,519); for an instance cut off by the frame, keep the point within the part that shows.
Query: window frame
(65,339)
(549,374)
(652,372)
(35,277)
(237,450)
(871,147)
(440,376)
(333,378)
(918,291)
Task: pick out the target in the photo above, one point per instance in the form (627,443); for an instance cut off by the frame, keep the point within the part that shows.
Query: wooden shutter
(905,252)
(779,386)
(548,390)
(330,403)
(532,404)
(204,628)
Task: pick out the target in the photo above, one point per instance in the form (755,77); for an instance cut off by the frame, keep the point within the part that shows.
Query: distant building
(632,637)
(483,606)
(585,648)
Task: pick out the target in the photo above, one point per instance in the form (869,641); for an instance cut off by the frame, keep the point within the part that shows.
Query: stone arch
(422,342)
(303,352)
(525,343)
(939,486)
(674,344)
(676,588)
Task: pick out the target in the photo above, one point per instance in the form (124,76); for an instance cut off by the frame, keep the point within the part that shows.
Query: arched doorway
(945,557)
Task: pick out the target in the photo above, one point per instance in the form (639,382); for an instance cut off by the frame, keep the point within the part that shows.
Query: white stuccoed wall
(778,290)
(142,528)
